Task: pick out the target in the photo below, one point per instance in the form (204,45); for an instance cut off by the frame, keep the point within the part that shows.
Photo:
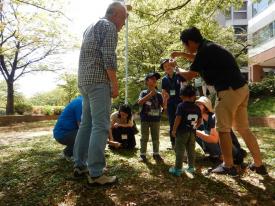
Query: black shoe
(157,157)
(142,158)
(261,170)
(221,169)
(80,172)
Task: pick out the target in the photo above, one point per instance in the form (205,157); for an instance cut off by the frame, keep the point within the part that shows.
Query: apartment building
(238,19)
(261,37)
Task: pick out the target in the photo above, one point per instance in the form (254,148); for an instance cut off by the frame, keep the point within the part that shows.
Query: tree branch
(3,73)
(3,68)
(161,14)
(38,59)
(43,8)
(27,54)
(4,41)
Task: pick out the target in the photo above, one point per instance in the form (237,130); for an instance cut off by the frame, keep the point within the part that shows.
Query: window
(260,6)
(264,34)
(240,15)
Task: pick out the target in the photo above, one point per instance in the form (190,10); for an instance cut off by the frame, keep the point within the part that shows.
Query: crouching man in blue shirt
(66,127)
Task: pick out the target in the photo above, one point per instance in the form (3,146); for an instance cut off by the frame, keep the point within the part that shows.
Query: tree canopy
(154,30)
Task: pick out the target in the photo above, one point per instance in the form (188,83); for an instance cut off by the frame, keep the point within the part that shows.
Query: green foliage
(262,107)
(55,97)
(264,88)
(154,29)
(69,86)
(47,110)
(57,110)
(2,111)
(22,108)
(18,97)
(31,32)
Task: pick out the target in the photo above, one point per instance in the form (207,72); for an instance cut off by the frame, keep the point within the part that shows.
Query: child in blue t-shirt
(150,102)
(188,118)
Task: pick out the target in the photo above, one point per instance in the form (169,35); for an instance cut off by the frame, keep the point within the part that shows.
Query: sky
(82,13)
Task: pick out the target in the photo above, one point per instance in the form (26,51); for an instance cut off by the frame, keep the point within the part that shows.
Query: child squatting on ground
(188,118)
(150,102)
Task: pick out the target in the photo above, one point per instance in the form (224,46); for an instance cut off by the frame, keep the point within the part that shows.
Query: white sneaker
(102,180)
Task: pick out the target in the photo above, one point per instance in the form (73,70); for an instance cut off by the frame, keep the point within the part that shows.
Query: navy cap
(152,74)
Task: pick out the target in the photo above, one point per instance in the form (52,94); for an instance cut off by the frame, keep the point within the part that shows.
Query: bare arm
(112,77)
(176,125)
(147,97)
(165,97)
(189,57)
(188,75)
(213,137)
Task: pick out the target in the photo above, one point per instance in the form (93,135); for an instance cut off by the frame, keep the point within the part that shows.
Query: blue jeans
(68,140)
(93,131)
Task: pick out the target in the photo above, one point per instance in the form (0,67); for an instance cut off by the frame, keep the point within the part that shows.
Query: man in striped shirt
(97,83)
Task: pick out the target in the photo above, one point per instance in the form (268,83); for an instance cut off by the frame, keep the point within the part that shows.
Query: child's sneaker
(157,157)
(142,158)
(190,169)
(261,170)
(175,171)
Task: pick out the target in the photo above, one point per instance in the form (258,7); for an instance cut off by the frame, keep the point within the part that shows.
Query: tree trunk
(10,98)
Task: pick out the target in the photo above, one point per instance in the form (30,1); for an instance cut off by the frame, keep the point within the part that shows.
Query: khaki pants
(231,109)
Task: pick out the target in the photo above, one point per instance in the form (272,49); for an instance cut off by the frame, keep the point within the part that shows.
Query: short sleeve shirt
(68,119)
(217,66)
(190,113)
(150,111)
(209,124)
(115,118)
(172,87)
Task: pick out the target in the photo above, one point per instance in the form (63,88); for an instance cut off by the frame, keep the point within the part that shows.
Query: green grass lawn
(33,173)
(262,107)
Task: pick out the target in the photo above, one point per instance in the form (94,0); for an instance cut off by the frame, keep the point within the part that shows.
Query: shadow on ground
(32,173)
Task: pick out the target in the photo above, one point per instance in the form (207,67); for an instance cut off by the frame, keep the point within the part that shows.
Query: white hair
(112,8)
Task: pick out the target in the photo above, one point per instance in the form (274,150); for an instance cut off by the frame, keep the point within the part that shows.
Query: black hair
(192,34)
(126,109)
(188,91)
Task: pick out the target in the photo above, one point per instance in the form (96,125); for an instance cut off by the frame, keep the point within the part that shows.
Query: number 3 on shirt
(193,118)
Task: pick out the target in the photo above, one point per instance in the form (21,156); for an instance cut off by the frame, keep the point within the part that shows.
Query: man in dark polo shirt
(218,67)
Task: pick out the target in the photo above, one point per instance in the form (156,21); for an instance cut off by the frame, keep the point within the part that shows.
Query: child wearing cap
(171,84)
(151,102)
(188,118)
